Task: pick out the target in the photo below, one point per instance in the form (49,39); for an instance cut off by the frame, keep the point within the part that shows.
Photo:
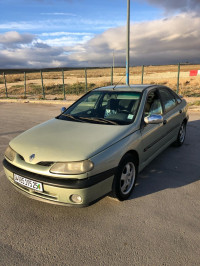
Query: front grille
(45,163)
(21,157)
(40,163)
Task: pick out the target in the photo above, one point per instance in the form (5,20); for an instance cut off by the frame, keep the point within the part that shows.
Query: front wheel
(181,135)
(125,177)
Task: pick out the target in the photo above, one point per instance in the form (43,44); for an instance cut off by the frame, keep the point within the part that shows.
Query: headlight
(72,168)
(10,153)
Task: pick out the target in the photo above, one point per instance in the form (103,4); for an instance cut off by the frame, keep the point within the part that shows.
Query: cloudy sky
(81,33)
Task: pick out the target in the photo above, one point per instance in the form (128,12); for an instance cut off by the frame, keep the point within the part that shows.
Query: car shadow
(173,168)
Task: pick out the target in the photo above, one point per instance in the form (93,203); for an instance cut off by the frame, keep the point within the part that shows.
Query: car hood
(59,140)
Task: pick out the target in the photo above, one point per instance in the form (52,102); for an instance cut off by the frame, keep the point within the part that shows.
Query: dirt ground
(74,80)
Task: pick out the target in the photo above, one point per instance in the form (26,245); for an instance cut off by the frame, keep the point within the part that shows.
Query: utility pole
(128,42)
(113,60)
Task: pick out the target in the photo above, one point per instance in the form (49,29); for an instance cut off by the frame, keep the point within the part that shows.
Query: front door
(153,135)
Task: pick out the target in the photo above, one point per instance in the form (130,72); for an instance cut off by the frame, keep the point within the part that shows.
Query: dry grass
(75,80)
(194,103)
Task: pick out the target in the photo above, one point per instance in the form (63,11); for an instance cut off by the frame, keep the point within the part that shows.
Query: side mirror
(153,119)
(63,109)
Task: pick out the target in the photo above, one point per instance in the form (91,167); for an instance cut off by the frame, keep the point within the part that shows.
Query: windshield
(104,107)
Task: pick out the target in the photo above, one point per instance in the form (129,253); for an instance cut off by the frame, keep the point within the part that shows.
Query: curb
(192,108)
(68,102)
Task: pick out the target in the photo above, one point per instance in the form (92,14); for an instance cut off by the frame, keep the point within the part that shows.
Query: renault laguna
(97,146)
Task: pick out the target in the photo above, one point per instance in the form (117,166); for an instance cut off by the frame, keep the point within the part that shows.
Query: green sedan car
(96,146)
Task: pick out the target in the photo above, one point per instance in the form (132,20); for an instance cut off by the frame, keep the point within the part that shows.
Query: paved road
(158,225)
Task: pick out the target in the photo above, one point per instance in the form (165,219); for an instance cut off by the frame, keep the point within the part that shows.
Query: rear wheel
(125,177)
(181,135)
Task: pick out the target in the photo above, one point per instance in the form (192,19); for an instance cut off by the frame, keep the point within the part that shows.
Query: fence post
(178,78)
(111,75)
(86,88)
(142,80)
(6,90)
(43,92)
(63,78)
(25,84)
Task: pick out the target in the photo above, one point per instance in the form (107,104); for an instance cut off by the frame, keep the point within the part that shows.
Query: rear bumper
(58,191)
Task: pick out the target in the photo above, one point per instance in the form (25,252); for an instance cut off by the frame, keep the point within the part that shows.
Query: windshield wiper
(106,121)
(72,117)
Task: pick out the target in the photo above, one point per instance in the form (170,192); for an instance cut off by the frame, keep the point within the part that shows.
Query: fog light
(75,198)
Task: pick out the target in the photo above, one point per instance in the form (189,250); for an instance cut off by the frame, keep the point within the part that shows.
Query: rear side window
(178,99)
(168,99)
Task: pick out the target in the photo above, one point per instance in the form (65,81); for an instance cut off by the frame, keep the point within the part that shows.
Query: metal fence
(59,83)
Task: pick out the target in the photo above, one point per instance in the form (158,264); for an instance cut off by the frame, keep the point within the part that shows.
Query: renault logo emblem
(31,157)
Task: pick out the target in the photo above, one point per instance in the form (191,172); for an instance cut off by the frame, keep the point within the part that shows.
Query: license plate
(28,183)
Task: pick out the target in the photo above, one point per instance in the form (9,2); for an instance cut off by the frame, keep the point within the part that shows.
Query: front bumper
(58,191)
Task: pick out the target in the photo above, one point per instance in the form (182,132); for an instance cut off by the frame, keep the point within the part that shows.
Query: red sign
(193,72)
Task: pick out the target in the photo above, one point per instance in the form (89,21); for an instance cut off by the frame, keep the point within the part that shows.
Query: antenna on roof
(117,83)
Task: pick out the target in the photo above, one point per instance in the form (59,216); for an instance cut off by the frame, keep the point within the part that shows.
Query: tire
(181,135)
(125,177)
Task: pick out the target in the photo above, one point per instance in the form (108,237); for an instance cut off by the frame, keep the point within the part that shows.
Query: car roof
(137,88)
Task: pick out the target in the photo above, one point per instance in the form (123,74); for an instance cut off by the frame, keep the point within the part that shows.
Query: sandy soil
(53,82)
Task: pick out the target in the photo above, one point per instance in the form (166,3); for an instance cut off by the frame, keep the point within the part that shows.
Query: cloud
(65,41)
(13,38)
(163,41)
(63,33)
(184,5)
(34,57)
(64,38)
(59,14)
(59,23)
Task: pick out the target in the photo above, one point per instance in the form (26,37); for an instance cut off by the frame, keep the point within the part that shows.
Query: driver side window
(153,104)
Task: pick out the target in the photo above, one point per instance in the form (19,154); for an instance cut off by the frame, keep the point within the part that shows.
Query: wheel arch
(135,154)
